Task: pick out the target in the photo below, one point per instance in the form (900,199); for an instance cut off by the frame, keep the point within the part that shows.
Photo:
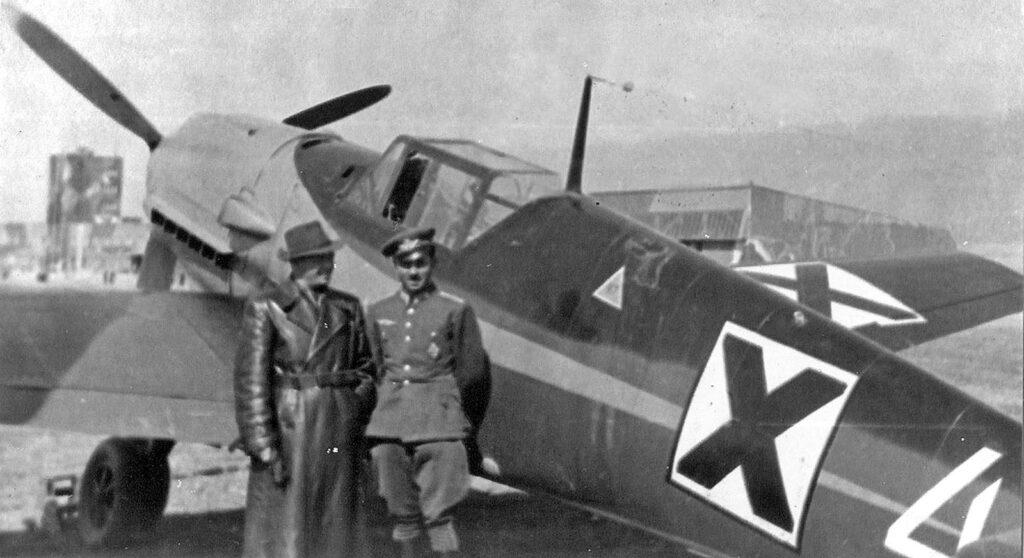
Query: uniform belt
(340,378)
(407,381)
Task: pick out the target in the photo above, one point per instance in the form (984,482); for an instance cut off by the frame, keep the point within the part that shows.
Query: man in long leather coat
(303,392)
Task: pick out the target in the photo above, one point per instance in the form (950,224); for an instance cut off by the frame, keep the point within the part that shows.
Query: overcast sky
(505,73)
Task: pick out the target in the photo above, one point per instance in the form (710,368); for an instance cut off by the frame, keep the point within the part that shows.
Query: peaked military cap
(407,242)
(307,239)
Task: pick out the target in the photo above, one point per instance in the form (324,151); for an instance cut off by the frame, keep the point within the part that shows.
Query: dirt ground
(205,518)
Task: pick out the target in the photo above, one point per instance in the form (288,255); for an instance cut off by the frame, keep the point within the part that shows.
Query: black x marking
(758,417)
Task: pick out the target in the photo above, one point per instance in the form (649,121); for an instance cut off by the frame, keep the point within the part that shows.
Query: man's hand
(267,456)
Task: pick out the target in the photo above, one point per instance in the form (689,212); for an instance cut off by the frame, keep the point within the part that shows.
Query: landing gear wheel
(123,491)
(153,497)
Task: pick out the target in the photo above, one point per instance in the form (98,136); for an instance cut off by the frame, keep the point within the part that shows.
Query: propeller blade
(80,74)
(338,107)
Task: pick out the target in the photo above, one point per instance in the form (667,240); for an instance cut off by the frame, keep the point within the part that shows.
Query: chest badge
(433,350)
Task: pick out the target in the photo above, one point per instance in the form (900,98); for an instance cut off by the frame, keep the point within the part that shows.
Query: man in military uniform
(303,390)
(431,396)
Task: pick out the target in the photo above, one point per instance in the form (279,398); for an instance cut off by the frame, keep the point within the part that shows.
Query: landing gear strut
(123,490)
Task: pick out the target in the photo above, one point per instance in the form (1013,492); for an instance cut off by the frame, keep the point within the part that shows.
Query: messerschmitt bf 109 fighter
(631,375)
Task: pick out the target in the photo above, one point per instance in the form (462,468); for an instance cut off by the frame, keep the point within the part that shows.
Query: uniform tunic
(303,386)
(435,380)
(431,396)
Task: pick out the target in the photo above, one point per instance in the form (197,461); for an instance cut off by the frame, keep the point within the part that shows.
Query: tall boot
(407,549)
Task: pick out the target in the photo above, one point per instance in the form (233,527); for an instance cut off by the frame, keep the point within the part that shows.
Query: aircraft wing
(120,363)
(901,302)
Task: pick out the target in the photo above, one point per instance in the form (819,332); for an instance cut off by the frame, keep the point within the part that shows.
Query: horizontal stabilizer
(951,292)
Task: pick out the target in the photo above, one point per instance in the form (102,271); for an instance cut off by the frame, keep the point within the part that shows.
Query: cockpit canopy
(459,187)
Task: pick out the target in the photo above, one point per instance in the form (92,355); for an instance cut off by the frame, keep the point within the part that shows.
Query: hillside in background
(964,173)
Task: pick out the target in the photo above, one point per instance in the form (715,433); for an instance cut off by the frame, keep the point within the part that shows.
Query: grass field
(985,362)
(204,517)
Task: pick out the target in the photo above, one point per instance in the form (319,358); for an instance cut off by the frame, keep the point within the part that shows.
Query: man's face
(313,272)
(415,270)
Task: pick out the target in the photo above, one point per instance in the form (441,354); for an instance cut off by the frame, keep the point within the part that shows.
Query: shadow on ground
(490,526)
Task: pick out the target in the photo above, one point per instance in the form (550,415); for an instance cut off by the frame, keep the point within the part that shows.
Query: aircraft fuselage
(632,375)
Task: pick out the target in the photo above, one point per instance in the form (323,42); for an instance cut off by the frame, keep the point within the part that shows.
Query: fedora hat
(307,239)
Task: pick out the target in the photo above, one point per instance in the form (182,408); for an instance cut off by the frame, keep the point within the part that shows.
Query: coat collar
(298,305)
(327,318)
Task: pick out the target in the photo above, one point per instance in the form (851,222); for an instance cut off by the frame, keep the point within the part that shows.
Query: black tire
(152,499)
(122,492)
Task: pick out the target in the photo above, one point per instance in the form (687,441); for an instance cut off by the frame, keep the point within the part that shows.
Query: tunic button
(406,367)
(407,338)
(408,324)
(410,311)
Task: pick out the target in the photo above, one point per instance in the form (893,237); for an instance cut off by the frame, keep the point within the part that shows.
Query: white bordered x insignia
(756,429)
(836,293)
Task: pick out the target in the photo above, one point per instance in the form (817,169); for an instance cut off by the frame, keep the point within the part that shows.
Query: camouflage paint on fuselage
(594,386)
(631,374)
(588,399)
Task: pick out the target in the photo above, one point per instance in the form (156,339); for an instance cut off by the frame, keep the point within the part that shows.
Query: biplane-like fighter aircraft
(754,413)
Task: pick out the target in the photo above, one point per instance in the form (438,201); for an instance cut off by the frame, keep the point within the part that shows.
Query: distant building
(22,246)
(13,236)
(752,224)
(13,241)
(118,246)
(84,188)
(85,191)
